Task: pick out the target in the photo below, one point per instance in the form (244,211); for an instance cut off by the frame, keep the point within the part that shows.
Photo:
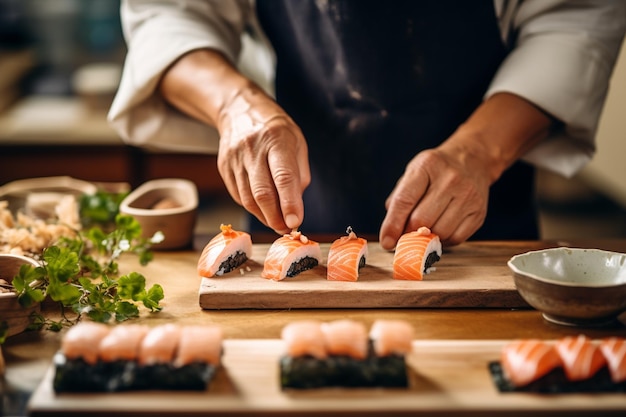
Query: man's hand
(447,188)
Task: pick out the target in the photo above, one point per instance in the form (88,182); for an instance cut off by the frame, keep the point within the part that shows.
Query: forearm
(501,130)
(202,84)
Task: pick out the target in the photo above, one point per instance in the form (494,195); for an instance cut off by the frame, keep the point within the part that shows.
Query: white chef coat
(562,56)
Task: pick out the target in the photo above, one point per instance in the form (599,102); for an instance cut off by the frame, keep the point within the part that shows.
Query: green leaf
(67,294)
(99,316)
(131,286)
(125,310)
(152,298)
(30,296)
(61,263)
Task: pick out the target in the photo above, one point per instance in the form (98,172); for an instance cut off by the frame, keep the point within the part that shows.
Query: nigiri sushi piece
(304,337)
(346,256)
(345,337)
(199,344)
(415,254)
(83,339)
(122,342)
(290,255)
(225,252)
(159,345)
(580,358)
(524,361)
(614,351)
(391,337)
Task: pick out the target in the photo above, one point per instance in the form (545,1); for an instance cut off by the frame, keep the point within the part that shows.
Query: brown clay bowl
(16,316)
(167,205)
(573,286)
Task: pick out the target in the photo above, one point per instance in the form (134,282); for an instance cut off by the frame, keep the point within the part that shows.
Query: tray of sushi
(319,368)
(350,272)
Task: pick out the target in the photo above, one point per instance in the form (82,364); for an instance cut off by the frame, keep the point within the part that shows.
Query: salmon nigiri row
(578,358)
(343,353)
(98,357)
(293,253)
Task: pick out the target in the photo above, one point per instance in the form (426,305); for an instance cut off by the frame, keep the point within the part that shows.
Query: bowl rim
(164,183)
(592,284)
(25,259)
(45,184)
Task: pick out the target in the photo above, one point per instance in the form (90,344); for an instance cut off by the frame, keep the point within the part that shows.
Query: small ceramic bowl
(573,286)
(167,205)
(16,316)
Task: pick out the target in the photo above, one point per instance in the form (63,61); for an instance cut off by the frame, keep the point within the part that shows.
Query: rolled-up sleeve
(562,59)
(157,34)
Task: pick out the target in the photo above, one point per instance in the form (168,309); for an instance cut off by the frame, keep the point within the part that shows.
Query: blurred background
(60,63)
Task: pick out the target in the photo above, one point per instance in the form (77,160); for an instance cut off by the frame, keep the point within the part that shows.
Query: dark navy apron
(373,83)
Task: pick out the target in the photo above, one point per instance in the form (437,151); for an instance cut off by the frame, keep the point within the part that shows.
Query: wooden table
(28,354)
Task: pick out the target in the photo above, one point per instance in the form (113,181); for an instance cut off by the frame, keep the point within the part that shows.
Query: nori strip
(78,376)
(556,382)
(431,259)
(233,261)
(192,377)
(307,372)
(301,265)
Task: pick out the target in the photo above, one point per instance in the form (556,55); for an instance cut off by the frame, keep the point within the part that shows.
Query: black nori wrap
(307,372)
(301,265)
(232,262)
(76,375)
(556,382)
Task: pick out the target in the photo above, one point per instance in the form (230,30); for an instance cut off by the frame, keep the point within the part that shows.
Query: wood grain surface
(446,377)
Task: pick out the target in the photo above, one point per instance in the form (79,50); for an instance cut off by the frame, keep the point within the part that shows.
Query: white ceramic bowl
(573,286)
(167,205)
(16,316)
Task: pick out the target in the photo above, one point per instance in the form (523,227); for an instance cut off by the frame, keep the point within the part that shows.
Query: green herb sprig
(82,275)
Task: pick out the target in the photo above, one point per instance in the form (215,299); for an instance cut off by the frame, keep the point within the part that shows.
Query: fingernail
(292,221)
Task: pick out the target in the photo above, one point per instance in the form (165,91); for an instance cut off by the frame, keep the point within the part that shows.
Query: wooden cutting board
(469,275)
(446,377)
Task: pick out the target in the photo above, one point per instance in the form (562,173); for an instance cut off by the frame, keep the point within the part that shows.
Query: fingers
(267,171)
(437,193)
(401,203)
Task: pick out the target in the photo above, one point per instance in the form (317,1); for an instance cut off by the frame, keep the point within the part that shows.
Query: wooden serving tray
(470,275)
(446,377)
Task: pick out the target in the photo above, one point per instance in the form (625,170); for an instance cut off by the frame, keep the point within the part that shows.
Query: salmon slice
(159,345)
(304,337)
(580,357)
(122,342)
(614,351)
(199,344)
(346,256)
(524,361)
(391,337)
(82,340)
(290,255)
(228,250)
(415,254)
(345,337)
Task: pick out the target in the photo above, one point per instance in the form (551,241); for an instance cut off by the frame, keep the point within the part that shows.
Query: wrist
(500,131)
